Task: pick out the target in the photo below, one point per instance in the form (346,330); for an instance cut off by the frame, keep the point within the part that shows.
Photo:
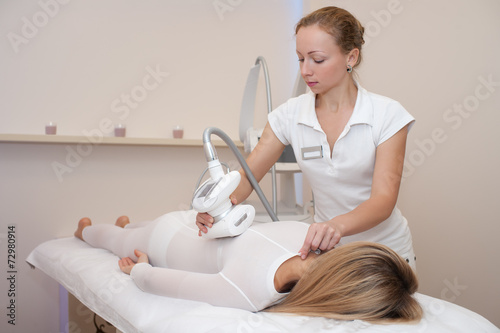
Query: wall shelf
(127,141)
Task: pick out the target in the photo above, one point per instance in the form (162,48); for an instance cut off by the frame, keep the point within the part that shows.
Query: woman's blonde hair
(360,280)
(346,30)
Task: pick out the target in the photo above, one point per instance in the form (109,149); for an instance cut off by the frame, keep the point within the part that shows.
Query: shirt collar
(362,113)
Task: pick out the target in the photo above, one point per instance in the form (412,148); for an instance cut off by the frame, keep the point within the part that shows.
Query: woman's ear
(352,57)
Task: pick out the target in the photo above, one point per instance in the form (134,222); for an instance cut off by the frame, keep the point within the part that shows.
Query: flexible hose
(244,165)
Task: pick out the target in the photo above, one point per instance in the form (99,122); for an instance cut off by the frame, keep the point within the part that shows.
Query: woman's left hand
(323,236)
(126,264)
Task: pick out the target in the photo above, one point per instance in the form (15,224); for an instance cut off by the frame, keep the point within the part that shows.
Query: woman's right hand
(205,220)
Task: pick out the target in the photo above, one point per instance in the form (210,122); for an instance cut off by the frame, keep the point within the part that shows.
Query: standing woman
(349,143)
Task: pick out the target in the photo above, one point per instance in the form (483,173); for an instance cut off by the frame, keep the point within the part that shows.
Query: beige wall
(440,59)
(78,62)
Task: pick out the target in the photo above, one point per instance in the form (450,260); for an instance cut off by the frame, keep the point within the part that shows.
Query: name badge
(310,153)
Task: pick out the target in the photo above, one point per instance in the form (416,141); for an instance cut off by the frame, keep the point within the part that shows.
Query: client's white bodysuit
(232,272)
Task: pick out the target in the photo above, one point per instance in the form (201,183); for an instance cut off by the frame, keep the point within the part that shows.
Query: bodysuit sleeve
(214,289)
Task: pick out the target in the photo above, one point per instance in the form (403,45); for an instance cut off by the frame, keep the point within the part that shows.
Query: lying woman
(260,269)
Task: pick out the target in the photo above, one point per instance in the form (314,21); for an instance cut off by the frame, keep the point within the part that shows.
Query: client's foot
(82,224)
(122,221)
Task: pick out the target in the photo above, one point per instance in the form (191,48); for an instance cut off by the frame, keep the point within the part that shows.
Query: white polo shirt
(343,181)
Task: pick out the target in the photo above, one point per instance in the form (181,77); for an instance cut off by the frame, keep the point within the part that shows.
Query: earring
(349,68)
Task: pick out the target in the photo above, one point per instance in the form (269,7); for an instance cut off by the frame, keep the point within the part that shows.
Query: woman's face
(323,65)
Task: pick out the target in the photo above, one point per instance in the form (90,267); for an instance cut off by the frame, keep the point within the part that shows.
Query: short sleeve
(278,122)
(390,121)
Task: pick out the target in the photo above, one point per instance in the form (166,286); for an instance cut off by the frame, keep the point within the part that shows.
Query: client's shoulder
(282,230)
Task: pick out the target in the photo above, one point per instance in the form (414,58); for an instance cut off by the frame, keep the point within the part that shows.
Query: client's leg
(169,241)
(121,222)
(116,238)
(82,224)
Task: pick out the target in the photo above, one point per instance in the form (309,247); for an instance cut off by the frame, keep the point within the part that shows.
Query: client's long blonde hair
(360,280)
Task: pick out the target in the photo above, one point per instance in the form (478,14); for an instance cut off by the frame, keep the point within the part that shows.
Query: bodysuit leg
(120,241)
(169,241)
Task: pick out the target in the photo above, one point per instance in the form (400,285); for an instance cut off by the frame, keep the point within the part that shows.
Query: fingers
(334,241)
(125,262)
(203,222)
(323,236)
(304,251)
(126,265)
